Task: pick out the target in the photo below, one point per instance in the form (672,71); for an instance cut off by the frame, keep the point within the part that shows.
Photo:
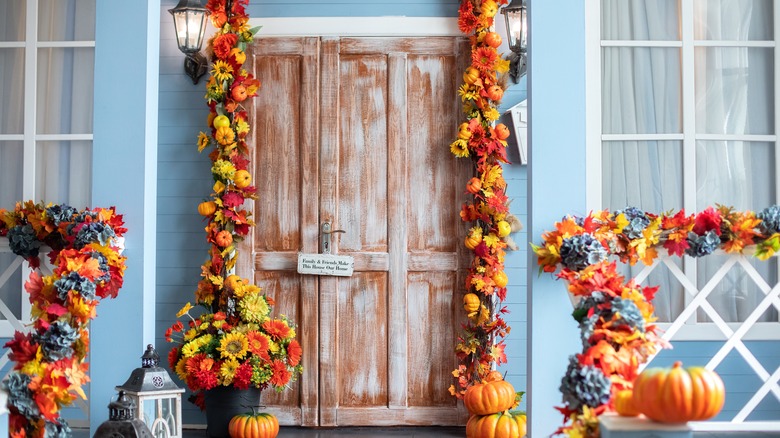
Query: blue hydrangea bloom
(74,281)
(23,241)
(19,395)
(702,245)
(578,252)
(584,386)
(58,340)
(93,232)
(637,222)
(54,430)
(586,329)
(60,213)
(770,220)
(629,313)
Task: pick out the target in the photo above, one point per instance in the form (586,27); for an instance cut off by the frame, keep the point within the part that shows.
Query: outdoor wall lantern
(121,421)
(189,21)
(156,395)
(515,14)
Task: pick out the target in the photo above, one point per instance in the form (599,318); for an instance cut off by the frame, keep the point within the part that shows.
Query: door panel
(356,132)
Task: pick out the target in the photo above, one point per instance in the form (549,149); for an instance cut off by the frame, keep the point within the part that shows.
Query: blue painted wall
(184,178)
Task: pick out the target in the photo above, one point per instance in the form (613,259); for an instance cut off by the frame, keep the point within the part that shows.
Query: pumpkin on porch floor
(678,395)
(499,425)
(254,425)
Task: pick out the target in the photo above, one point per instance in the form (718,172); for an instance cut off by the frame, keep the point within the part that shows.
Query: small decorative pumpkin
(470,303)
(242,178)
(472,240)
(207,208)
(253,425)
(471,75)
(502,131)
(495,93)
(494,376)
(489,397)
(499,425)
(224,238)
(679,394)
(624,403)
(492,39)
(500,279)
(474,185)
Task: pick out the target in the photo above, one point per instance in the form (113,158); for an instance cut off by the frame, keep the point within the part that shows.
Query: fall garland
(50,366)
(235,342)
(616,318)
(481,344)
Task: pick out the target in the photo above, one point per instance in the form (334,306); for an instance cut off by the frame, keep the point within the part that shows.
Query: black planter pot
(225,402)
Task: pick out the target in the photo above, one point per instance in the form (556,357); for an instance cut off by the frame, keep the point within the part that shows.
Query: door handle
(325,240)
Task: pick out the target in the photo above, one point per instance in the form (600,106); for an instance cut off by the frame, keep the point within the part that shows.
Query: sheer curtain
(642,94)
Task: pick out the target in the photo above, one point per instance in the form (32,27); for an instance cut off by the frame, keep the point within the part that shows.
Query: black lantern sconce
(189,21)
(516,14)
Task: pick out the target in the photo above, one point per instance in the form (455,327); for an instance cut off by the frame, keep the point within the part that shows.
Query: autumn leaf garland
(481,344)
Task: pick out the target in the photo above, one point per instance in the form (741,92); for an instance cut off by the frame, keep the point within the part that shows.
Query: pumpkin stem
(677,364)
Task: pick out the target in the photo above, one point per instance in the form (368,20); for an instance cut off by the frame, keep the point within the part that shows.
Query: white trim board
(357,26)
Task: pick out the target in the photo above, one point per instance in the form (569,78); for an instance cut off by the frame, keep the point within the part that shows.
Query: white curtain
(642,94)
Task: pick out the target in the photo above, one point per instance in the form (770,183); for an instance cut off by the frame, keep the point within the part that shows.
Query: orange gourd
(207,208)
(624,403)
(474,185)
(489,397)
(499,425)
(260,425)
(471,303)
(679,394)
(472,240)
(224,238)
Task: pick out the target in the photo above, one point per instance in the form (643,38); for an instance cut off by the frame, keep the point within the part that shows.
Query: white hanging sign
(326,264)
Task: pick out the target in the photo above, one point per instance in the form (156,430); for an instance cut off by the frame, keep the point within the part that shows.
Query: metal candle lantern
(156,395)
(122,421)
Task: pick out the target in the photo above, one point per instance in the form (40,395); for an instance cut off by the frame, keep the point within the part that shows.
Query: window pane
(12,20)
(66,20)
(11,91)
(739,174)
(11,173)
(643,174)
(11,291)
(734,90)
(640,20)
(65,79)
(736,295)
(63,172)
(729,20)
(641,90)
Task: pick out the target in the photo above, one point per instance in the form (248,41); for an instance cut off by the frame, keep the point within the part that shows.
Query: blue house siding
(184,178)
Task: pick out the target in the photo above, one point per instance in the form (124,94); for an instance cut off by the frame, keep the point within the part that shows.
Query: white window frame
(594,138)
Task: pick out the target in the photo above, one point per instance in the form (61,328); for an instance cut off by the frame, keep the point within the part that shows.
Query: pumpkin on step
(624,403)
(500,425)
(253,425)
(489,397)
(678,395)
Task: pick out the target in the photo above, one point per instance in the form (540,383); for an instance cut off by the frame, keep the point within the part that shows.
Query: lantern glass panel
(190,26)
(516,25)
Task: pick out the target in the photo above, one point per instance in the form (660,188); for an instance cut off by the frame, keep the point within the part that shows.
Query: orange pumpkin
(474,185)
(500,279)
(471,75)
(489,398)
(522,422)
(472,240)
(224,238)
(242,178)
(464,133)
(238,55)
(499,425)
(262,425)
(207,208)
(679,394)
(492,39)
(624,403)
(471,303)
(239,93)
(495,93)
(502,131)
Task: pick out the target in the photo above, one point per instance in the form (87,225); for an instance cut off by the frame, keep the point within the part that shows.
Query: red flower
(23,350)
(467,21)
(294,352)
(206,379)
(707,220)
(243,377)
(173,355)
(280,375)
(484,58)
(223,43)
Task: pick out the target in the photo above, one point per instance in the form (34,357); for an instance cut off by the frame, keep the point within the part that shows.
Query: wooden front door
(355,132)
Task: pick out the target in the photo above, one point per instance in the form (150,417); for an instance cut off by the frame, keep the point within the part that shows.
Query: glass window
(11,91)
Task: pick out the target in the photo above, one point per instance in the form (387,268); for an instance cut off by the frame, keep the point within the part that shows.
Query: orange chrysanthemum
(276,329)
(258,344)
(484,58)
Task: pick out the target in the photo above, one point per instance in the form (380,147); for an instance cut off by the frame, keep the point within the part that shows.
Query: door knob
(325,240)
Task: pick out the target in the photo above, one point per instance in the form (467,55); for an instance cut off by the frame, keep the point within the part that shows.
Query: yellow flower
(491,114)
(203,141)
(460,148)
(190,349)
(222,70)
(233,345)
(273,347)
(228,370)
(181,369)
(467,93)
(184,310)
(253,308)
(223,169)
(191,333)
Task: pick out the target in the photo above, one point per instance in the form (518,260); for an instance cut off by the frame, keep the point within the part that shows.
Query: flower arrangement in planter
(50,366)
(616,318)
(235,341)
(481,345)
